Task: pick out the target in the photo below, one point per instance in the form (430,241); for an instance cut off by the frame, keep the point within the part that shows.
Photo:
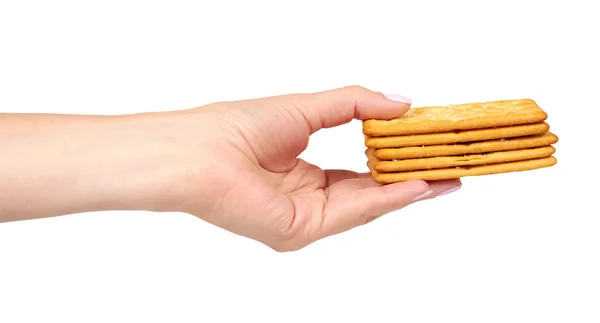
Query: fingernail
(421,196)
(398,98)
(454,189)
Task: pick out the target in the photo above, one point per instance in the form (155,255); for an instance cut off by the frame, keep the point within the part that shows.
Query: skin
(233,164)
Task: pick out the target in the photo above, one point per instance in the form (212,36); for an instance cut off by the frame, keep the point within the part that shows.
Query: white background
(520,247)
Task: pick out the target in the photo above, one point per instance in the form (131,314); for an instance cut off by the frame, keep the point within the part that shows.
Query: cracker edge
(449,137)
(531,141)
(537,152)
(458,172)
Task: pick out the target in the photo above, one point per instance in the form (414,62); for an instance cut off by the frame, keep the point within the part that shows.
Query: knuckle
(278,248)
(365,218)
(286,247)
(356,88)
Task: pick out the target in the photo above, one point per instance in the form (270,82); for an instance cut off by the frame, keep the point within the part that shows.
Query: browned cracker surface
(456,172)
(479,147)
(384,166)
(467,116)
(456,136)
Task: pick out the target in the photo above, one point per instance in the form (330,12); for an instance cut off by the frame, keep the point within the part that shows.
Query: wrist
(159,161)
(140,162)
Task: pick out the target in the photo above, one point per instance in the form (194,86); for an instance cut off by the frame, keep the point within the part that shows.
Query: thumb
(339,106)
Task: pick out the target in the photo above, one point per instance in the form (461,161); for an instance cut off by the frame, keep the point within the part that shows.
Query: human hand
(233,164)
(242,173)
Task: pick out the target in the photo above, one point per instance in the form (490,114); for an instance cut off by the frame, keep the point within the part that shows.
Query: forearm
(63,164)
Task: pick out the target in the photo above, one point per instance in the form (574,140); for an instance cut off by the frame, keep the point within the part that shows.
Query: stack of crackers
(443,142)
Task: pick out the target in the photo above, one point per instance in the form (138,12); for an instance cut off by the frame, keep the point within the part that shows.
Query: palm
(297,206)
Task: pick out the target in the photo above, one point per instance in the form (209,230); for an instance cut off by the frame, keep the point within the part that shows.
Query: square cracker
(456,136)
(392,166)
(478,147)
(457,172)
(467,116)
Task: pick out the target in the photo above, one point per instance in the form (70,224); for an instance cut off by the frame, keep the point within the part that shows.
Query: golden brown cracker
(479,115)
(457,172)
(456,136)
(385,166)
(479,147)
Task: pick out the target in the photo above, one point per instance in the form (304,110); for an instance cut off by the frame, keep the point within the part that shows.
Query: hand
(247,177)
(233,164)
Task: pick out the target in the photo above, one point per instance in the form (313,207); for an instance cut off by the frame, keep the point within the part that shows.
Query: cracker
(457,172)
(384,166)
(479,147)
(456,136)
(467,116)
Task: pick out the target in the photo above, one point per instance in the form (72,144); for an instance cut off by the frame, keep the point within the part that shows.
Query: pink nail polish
(454,189)
(421,196)
(398,98)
